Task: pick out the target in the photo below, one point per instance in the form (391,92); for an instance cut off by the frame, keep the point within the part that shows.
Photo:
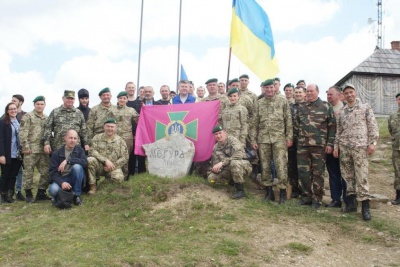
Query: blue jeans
(18,184)
(337,184)
(75,179)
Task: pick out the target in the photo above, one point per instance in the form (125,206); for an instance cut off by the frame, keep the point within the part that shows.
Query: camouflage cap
(212,80)
(232,91)
(244,76)
(39,98)
(217,128)
(69,94)
(123,93)
(105,90)
(110,120)
(234,80)
(349,85)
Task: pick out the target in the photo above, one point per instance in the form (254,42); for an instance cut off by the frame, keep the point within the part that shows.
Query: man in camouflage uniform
(61,119)
(212,88)
(272,135)
(234,117)
(30,135)
(107,155)
(227,161)
(315,128)
(394,130)
(356,137)
(293,174)
(125,117)
(100,113)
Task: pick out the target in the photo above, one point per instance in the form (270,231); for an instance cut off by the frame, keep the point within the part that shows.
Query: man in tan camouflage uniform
(107,155)
(125,117)
(100,113)
(227,161)
(234,117)
(315,126)
(272,134)
(212,88)
(62,119)
(30,135)
(356,137)
(394,130)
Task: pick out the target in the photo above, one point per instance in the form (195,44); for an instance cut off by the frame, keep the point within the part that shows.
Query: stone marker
(171,156)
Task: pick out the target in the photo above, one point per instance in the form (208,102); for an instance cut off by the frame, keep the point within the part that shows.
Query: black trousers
(8,175)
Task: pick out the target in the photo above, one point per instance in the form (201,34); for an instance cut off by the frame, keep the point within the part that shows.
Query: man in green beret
(227,162)
(394,130)
(277,85)
(107,155)
(62,119)
(99,113)
(30,136)
(125,117)
(272,134)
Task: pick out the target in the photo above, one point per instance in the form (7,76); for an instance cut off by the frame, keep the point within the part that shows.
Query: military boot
(92,189)
(254,172)
(365,210)
(269,196)
(397,200)
(41,195)
(4,198)
(239,191)
(351,205)
(10,196)
(282,196)
(29,196)
(20,196)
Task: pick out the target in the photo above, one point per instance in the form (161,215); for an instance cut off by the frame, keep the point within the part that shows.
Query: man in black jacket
(67,167)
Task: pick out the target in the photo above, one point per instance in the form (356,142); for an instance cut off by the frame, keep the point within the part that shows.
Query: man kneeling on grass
(67,167)
(228,161)
(108,154)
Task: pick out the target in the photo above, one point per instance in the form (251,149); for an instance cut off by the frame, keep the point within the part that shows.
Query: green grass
(299,247)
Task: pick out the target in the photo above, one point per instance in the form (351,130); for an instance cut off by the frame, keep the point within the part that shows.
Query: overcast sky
(47,46)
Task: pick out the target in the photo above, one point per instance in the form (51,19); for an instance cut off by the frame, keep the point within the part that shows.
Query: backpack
(64,199)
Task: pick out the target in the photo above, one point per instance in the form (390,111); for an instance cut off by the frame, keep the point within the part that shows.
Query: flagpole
(140,48)
(179,45)
(229,67)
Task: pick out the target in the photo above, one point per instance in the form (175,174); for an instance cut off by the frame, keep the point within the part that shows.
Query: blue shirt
(177,99)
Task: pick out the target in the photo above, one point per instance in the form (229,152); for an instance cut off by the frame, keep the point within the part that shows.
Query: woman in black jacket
(9,152)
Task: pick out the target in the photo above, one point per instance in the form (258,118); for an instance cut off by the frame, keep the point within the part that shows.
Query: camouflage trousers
(96,169)
(396,166)
(311,169)
(237,170)
(278,151)
(129,144)
(354,168)
(42,162)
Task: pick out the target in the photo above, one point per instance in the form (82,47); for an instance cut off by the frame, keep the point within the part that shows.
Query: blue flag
(183,74)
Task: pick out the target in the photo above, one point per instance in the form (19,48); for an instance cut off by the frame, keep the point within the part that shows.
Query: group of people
(288,138)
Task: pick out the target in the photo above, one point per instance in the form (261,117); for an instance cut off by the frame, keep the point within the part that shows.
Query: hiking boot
(315,204)
(41,195)
(78,201)
(20,196)
(269,196)
(239,191)
(397,200)
(282,196)
(92,189)
(351,205)
(365,210)
(29,196)
(10,195)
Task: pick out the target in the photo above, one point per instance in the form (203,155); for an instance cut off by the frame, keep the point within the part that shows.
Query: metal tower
(379,38)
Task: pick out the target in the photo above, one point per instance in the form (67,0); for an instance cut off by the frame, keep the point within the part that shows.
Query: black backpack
(64,199)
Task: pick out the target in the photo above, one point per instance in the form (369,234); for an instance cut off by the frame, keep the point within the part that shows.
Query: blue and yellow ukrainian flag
(251,38)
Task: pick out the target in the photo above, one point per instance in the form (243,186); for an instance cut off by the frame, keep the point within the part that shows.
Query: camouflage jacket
(356,126)
(253,97)
(224,102)
(125,117)
(97,116)
(315,124)
(394,129)
(272,121)
(247,102)
(59,121)
(31,132)
(293,110)
(232,149)
(114,150)
(234,121)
